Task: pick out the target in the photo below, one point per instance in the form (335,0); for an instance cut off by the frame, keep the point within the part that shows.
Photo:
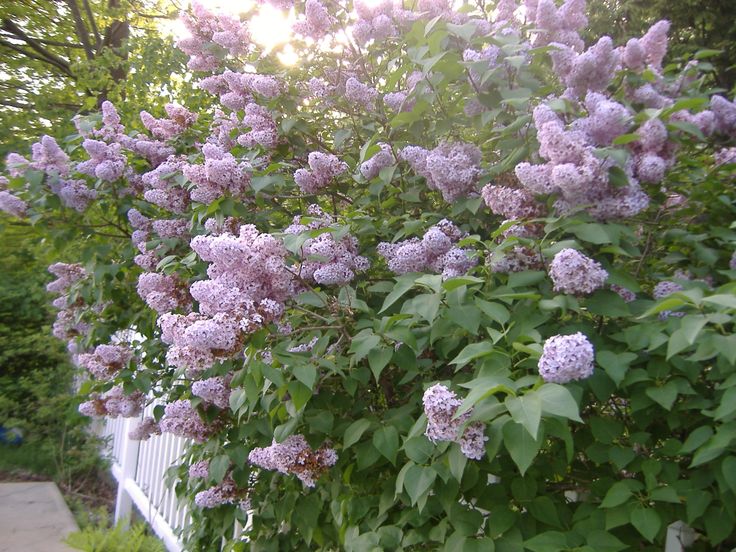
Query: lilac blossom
(144,430)
(566,358)
(182,419)
(451,168)
(106,162)
(435,252)
(113,403)
(106,360)
(215,390)
(574,273)
(440,405)
(323,169)
(384,158)
(294,456)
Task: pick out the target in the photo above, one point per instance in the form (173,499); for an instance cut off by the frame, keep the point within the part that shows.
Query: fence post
(128,464)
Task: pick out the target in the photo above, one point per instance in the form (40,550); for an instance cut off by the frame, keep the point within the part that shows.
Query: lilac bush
(414,289)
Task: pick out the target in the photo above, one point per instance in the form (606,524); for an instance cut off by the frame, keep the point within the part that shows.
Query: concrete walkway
(33,518)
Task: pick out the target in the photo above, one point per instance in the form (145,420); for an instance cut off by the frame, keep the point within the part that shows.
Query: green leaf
(483,387)
(605,430)
(454,283)
(465,316)
(558,401)
(378,359)
(426,306)
(550,541)
(403,284)
(727,404)
(603,541)
(616,495)
(646,521)
(522,448)
(457,461)
(718,525)
(354,432)
(728,469)
(386,440)
(526,410)
(417,481)
(615,365)
(305,373)
(218,467)
(665,395)
(665,494)
(362,344)
(300,394)
(592,233)
(495,311)
(418,449)
(471,352)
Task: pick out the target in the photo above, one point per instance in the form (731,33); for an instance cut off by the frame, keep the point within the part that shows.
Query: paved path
(33,518)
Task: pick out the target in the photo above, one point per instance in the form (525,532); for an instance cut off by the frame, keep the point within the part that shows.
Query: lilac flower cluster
(574,172)
(179,119)
(450,168)
(160,188)
(360,95)
(144,430)
(401,100)
(163,292)
(664,289)
(591,70)
(10,203)
(74,194)
(434,252)
(207,30)
(323,169)
(626,294)
(725,156)
(574,273)
(221,173)
(226,492)
(214,390)
(106,162)
(440,406)
(517,257)
(66,276)
(236,89)
(384,158)
(106,360)
(16,165)
(199,470)
(48,157)
(511,203)
(566,358)
(317,21)
(182,419)
(247,287)
(113,403)
(375,20)
(294,456)
(558,25)
(263,131)
(325,260)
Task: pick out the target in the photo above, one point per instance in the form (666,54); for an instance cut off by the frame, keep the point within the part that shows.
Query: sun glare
(270,27)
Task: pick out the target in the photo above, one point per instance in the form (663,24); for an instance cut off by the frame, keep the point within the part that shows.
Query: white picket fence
(139,467)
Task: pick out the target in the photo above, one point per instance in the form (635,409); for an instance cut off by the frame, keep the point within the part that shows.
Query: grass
(28,458)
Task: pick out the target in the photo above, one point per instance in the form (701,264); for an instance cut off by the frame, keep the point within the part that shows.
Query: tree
(696,25)
(444,282)
(64,57)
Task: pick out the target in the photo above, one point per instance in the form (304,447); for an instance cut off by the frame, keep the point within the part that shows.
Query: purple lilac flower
(572,272)
(566,358)
(294,456)
(440,406)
